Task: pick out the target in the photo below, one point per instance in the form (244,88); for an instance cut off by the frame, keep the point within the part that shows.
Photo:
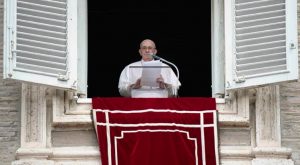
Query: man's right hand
(137,84)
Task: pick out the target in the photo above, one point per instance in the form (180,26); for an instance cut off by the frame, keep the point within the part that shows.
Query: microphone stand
(177,71)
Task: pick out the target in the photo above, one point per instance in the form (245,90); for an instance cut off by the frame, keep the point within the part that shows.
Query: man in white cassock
(130,84)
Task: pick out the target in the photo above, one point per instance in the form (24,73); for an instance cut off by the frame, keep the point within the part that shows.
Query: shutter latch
(240,79)
(62,77)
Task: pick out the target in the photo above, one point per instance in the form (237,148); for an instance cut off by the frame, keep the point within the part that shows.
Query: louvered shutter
(260,42)
(41,42)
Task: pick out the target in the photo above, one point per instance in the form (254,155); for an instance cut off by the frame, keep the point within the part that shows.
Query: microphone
(155,56)
(177,71)
(159,58)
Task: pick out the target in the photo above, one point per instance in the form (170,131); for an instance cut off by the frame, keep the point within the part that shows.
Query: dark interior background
(180,29)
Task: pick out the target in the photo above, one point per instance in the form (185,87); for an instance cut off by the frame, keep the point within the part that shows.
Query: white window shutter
(260,42)
(40,42)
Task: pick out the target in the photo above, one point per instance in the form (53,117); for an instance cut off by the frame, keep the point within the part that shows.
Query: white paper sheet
(151,71)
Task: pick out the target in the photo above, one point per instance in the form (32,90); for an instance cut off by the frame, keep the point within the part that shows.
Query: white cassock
(132,72)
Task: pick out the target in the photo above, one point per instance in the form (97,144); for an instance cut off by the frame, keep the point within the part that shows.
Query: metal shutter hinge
(292,46)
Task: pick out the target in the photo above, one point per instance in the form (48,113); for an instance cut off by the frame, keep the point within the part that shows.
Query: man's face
(147,49)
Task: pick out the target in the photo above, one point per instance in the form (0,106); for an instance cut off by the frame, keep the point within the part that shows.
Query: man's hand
(161,82)
(137,84)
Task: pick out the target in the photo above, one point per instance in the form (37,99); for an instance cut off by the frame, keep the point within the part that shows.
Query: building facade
(47,125)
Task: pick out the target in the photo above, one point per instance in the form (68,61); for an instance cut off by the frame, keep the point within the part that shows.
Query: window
(173,25)
(256,49)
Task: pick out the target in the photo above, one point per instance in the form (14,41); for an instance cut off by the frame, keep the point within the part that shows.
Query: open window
(45,42)
(120,26)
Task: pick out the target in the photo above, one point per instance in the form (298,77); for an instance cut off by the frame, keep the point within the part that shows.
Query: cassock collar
(142,61)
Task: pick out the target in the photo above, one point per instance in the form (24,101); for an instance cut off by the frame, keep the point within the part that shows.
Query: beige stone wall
(9,110)
(290,118)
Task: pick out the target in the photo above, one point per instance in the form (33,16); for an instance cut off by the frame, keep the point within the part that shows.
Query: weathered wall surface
(9,110)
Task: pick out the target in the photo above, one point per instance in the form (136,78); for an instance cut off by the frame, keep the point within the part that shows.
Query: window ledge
(89,101)
(235,113)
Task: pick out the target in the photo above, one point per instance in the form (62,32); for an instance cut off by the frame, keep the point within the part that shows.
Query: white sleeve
(124,83)
(171,80)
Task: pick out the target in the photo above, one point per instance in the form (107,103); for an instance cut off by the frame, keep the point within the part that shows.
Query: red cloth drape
(156,131)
